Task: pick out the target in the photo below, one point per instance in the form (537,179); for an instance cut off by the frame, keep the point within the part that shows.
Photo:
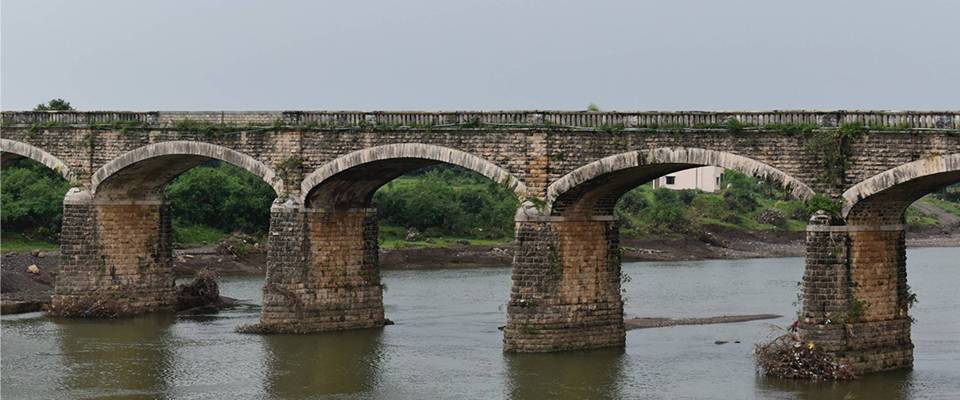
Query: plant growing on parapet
(856,309)
(38,127)
(910,300)
(473,122)
(593,108)
(793,129)
(624,280)
(611,128)
(123,127)
(834,149)
(537,203)
(288,169)
(204,128)
(54,105)
(555,263)
(798,302)
(734,125)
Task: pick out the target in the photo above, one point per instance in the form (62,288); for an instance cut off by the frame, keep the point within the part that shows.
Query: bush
(739,195)
(632,202)
(667,214)
(448,201)
(771,216)
(821,202)
(221,196)
(32,200)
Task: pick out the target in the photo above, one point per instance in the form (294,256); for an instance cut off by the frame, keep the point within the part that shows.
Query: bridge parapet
(571,119)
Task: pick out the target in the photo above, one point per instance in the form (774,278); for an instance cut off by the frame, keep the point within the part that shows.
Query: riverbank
(23,291)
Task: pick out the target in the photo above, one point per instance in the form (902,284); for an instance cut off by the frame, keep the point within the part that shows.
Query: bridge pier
(855,294)
(566,286)
(116,258)
(323,270)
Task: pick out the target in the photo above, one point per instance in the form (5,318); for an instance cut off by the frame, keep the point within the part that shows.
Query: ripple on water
(446,345)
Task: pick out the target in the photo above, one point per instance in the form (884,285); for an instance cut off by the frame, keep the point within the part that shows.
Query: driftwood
(788,356)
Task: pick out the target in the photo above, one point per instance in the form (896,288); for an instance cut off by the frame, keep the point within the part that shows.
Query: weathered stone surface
(566,287)
(855,295)
(568,167)
(323,272)
(116,259)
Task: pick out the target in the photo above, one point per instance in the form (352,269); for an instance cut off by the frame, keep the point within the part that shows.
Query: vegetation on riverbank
(439,206)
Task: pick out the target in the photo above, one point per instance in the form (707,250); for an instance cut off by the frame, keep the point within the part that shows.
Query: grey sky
(444,54)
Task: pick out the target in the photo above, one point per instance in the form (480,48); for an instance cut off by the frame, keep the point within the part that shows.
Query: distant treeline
(435,202)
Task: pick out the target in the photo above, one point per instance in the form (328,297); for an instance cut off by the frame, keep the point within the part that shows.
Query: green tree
(222,196)
(54,105)
(31,200)
(448,201)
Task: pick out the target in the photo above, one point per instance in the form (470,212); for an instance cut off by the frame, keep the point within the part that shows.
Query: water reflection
(887,385)
(592,374)
(305,366)
(129,357)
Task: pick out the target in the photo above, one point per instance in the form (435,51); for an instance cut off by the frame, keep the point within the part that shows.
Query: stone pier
(855,297)
(566,286)
(568,168)
(116,258)
(323,272)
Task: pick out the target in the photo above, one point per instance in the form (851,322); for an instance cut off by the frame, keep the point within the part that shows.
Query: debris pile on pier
(788,356)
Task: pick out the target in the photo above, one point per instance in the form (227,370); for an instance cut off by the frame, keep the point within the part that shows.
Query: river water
(445,344)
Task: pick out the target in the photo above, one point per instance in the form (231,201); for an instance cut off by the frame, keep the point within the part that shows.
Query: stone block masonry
(566,287)
(567,168)
(333,280)
(855,299)
(116,260)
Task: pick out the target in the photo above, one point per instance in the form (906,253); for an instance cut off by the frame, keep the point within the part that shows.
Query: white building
(707,179)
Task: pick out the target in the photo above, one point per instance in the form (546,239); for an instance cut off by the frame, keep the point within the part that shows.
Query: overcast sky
(452,55)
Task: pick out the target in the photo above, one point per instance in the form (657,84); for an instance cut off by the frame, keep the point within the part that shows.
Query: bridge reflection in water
(310,365)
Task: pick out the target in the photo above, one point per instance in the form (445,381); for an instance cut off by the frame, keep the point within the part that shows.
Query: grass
(196,235)
(950,207)
(17,243)
(440,242)
(393,237)
(919,218)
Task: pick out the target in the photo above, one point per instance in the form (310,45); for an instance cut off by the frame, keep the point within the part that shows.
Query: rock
(412,235)
(202,292)
(720,342)
(33,269)
(41,254)
(387,321)
(463,241)
(35,252)
(771,216)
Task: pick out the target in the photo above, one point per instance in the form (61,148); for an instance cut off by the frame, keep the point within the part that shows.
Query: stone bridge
(568,168)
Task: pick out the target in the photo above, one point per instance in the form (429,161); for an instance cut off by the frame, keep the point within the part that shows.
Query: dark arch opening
(884,198)
(594,189)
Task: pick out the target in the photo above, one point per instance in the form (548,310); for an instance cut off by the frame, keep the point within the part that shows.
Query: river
(446,344)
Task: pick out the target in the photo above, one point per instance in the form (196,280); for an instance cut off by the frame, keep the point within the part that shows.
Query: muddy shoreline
(23,291)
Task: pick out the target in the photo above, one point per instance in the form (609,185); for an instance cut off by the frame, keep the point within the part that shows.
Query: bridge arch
(594,189)
(352,179)
(883,198)
(143,172)
(13,150)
